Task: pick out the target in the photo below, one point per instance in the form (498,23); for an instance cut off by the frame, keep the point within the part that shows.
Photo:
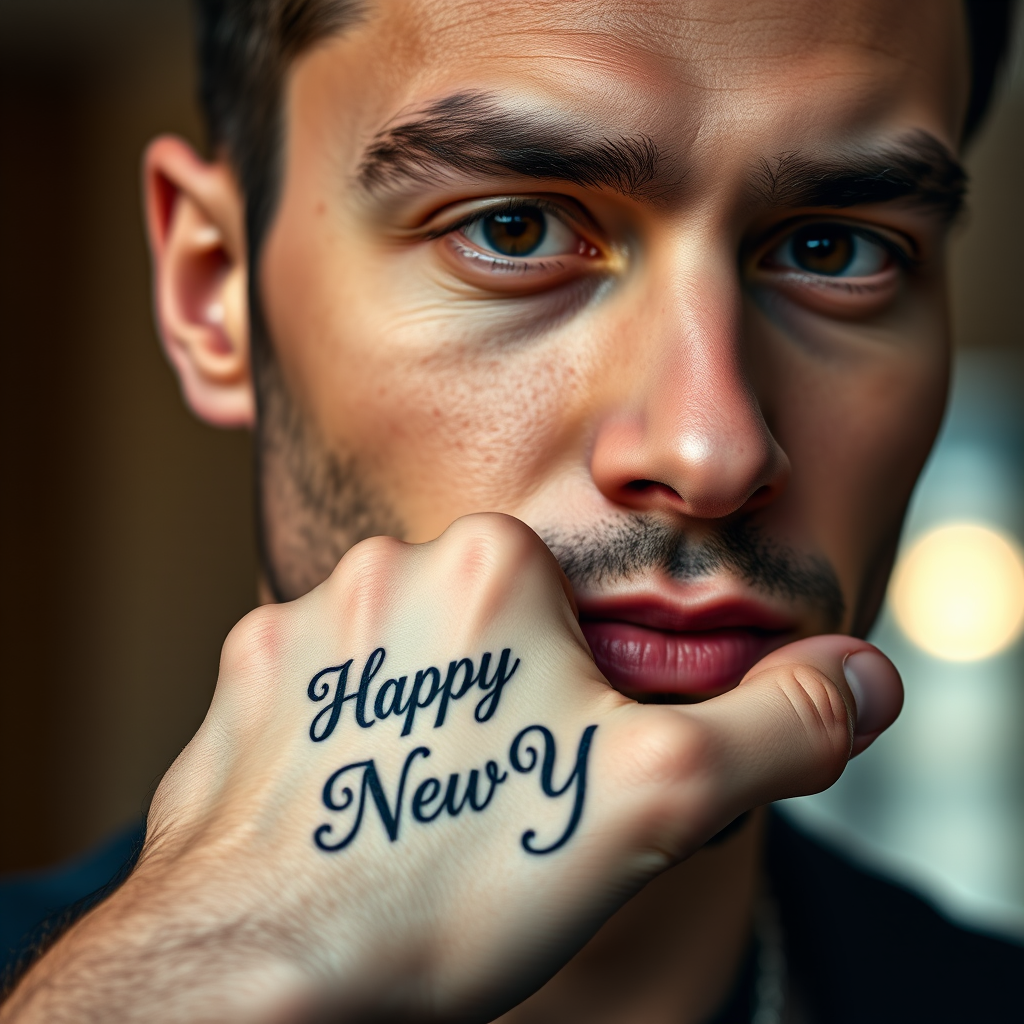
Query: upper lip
(658,613)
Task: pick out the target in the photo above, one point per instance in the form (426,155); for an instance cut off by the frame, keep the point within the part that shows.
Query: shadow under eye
(517,320)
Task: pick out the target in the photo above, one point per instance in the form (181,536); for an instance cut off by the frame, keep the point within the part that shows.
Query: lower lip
(649,662)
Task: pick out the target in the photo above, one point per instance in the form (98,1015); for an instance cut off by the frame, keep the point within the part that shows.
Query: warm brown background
(126,526)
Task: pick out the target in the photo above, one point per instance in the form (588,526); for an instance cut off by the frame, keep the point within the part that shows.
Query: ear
(195,222)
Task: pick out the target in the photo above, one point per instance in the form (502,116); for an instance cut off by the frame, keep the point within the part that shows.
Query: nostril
(760,497)
(654,489)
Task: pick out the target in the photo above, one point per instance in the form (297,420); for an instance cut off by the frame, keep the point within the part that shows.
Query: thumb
(798,716)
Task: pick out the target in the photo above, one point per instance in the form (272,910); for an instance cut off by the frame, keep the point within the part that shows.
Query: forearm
(155,956)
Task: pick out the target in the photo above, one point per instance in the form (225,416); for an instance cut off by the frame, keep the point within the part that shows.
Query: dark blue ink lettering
(448,691)
(427,802)
(502,674)
(395,687)
(332,712)
(427,791)
(391,819)
(370,669)
(318,693)
(578,775)
(396,698)
(451,804)
(414,697)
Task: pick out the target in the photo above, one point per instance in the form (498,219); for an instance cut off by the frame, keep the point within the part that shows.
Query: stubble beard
(312,501)
(314,504)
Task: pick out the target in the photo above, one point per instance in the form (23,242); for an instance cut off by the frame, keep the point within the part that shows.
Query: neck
(672,953)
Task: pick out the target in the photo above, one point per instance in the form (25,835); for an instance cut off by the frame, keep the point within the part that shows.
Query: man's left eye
(833,250)
(522,231)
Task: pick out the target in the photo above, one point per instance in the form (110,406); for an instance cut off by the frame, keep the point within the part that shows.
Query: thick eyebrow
(472,133)
(915,168)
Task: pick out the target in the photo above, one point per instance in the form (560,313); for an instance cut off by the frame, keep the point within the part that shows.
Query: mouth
(652,651)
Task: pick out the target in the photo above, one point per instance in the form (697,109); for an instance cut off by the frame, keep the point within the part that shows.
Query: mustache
(639,544)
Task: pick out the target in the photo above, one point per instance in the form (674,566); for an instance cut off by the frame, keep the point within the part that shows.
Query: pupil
(516,232)
(823,249)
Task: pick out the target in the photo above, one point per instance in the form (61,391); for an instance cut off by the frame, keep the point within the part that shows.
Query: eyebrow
(472,133)
(915,168)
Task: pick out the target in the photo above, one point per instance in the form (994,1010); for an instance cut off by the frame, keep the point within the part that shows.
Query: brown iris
(823,248)
(515,232)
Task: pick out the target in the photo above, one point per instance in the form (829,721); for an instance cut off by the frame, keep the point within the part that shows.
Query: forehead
(674,69)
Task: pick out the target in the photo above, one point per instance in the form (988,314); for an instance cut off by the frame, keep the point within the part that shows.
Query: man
(653,288)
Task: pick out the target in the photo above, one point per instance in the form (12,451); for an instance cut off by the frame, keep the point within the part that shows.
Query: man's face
(662,279)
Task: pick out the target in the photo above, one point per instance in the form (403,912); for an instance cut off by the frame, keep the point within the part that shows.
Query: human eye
(837,267)
(834,250)
(520,245)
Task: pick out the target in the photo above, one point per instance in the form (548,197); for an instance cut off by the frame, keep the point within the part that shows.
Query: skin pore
(727,350)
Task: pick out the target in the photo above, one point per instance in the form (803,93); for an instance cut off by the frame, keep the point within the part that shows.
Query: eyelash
(904,260)
(505,264)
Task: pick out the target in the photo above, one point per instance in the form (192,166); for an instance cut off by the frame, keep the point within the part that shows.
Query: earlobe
(194,218)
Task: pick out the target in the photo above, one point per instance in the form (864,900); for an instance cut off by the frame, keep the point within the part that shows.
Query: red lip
(648,648)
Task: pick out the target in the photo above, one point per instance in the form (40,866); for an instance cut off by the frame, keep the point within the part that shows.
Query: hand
(415,795)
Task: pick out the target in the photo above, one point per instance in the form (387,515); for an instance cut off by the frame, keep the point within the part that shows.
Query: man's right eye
(520,245)
(521,231)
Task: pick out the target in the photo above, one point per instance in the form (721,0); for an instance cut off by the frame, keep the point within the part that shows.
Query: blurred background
(128,549)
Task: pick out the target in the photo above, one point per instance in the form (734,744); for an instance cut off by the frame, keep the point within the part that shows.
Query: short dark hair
(245,49)
(246,46)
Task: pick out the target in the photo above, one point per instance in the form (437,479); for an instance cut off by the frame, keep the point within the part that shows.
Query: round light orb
(958,592)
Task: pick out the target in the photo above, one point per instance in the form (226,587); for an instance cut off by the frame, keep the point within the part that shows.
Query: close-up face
(663,279)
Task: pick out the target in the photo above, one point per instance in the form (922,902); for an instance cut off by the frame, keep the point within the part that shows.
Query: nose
(685,431)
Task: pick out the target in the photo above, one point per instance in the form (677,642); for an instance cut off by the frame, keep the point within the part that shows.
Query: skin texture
(675,373)
(689,372)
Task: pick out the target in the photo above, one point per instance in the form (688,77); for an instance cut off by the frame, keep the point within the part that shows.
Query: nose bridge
(688,431)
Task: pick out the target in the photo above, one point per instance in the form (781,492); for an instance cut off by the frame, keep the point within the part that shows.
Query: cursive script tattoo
(397,697)
(577,776)
(427,803)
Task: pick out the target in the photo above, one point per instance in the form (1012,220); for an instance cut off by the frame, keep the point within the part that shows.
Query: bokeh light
(958,592)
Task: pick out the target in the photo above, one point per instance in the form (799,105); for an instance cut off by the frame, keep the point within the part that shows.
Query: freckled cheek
(476,439)
(441,430)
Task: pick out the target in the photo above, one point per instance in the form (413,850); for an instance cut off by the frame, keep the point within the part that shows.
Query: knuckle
(669,765)
(254,642)
(496,531)
(367,570)
(491,547)
(368,556)
(668,748)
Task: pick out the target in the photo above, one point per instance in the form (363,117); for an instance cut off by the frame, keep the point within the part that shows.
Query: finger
(797,717)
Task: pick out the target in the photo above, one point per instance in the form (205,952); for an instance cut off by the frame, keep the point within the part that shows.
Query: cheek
(465,432)
(447,411)
(857,412)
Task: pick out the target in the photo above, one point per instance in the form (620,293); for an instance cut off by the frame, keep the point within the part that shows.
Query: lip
(650,648)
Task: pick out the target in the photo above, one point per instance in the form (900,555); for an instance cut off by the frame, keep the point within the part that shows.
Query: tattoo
(426,688)
(357,786)
(578,775)
(427,803)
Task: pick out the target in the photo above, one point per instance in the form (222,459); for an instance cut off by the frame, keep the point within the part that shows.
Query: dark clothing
(35,904)
(859,949)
